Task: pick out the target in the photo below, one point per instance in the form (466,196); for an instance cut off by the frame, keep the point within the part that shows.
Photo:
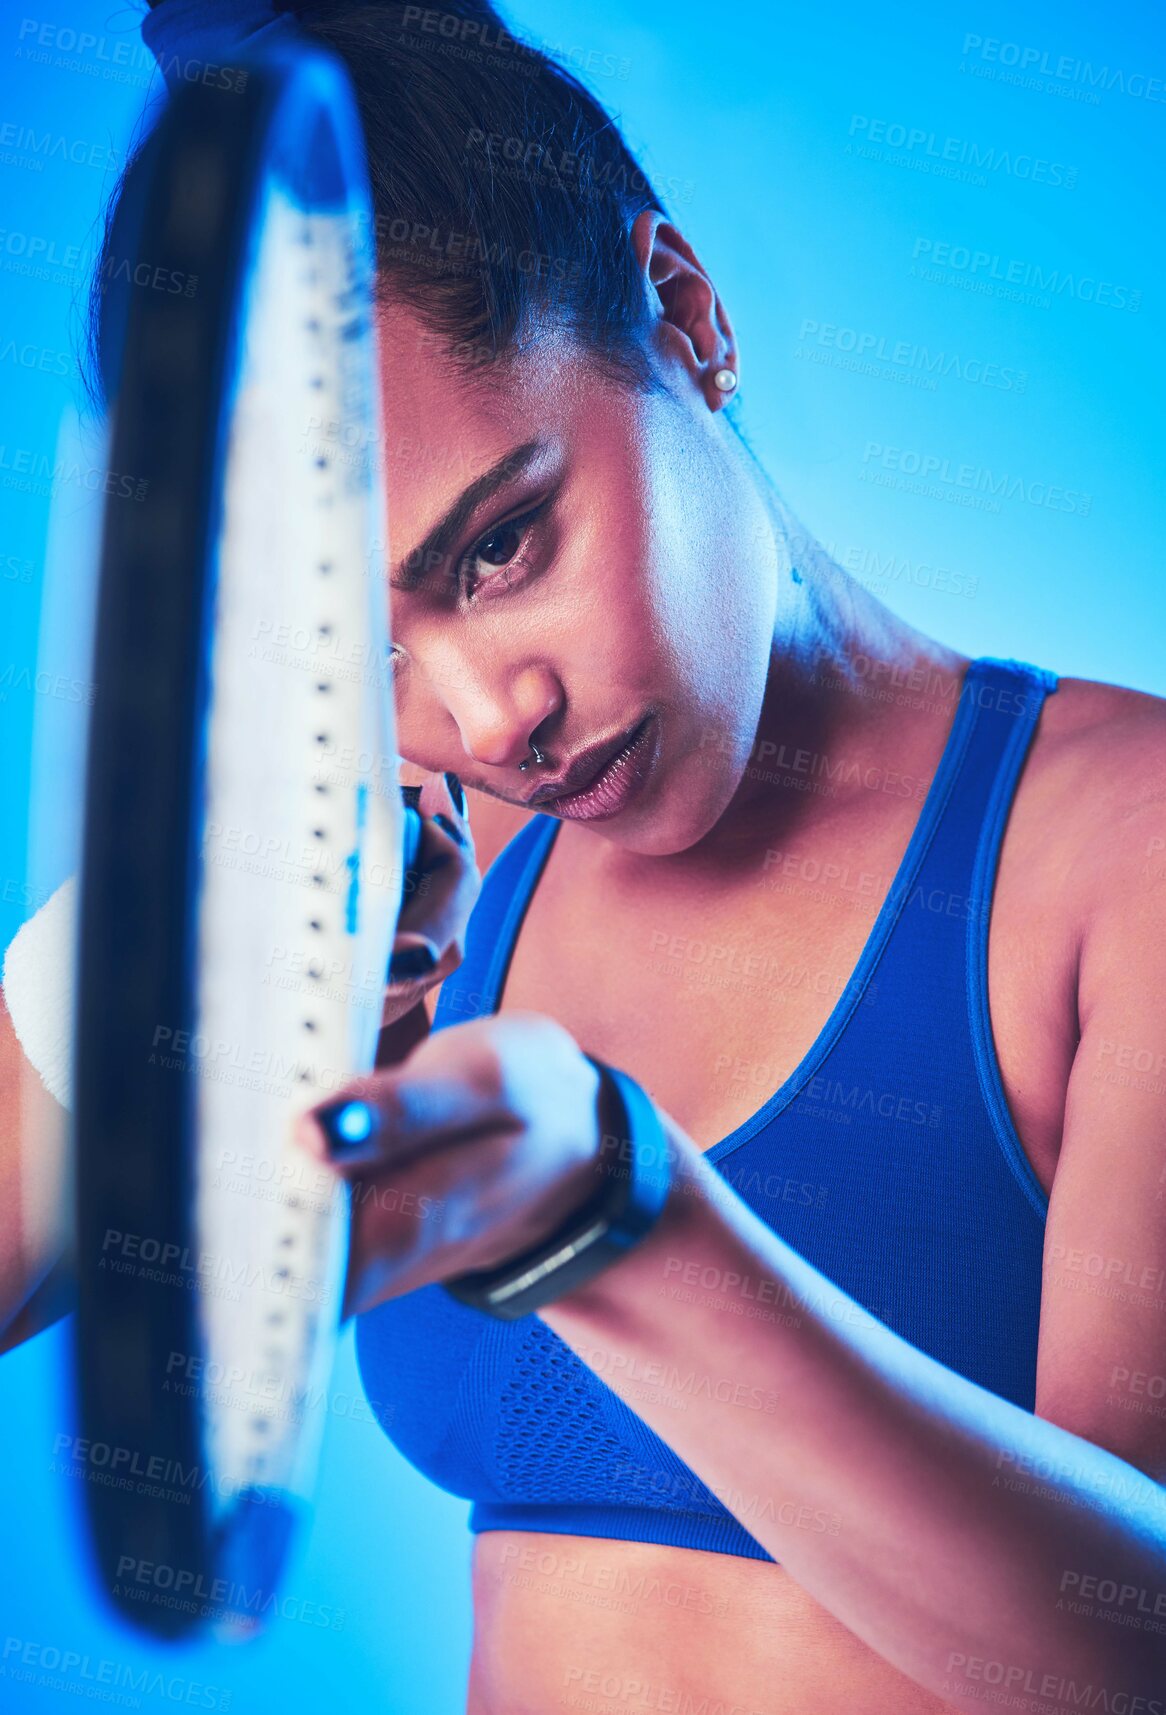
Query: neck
(849,683)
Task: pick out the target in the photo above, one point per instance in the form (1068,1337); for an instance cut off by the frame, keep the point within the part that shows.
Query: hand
(430,937)
(479,1146)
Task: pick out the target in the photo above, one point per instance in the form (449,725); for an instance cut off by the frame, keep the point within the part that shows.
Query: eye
(499,549)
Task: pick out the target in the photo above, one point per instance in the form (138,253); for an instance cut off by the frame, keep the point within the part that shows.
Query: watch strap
(637,1160)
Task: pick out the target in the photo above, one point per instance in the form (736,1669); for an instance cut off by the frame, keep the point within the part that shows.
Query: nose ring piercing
(537,755)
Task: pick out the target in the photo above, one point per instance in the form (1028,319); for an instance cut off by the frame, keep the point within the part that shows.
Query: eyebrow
(412,569)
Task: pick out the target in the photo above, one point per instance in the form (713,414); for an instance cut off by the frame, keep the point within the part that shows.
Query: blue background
(756,125)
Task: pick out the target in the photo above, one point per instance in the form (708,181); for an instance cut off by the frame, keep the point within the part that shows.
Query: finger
(394,1116)
(447,882)
(440,798)
(439,908)
(414,961)
(443,798)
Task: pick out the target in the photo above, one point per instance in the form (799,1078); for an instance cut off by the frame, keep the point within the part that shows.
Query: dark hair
(503,193)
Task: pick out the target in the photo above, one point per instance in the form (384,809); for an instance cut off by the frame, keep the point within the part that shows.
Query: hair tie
(193,40)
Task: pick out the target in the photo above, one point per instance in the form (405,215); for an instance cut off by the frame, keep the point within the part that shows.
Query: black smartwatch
(637,1160)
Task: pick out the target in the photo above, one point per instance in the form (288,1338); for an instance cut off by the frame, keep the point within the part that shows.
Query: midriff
(576,1623)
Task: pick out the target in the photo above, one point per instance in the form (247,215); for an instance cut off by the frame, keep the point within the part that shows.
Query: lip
(601,780)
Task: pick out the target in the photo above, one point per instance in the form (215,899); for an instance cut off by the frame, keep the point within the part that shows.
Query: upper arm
(1102,1362)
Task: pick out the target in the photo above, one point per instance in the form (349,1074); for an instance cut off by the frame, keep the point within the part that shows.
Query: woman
(849,1427)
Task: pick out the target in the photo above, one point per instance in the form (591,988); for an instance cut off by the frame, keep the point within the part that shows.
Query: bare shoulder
(1099,767)
(1107,741)
(1088,710)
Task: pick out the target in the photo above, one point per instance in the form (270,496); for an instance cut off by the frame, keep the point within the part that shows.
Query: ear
(693,325)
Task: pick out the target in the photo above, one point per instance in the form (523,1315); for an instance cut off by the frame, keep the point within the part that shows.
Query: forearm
(933,1553)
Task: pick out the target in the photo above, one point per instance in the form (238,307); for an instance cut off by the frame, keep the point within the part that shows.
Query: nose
(496,726)
(497,713)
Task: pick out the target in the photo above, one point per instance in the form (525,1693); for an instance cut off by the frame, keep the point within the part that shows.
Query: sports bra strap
(475,988)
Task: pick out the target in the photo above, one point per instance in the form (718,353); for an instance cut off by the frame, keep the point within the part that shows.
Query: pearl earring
(725,380)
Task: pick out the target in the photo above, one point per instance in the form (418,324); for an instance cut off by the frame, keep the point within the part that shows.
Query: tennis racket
(245,845)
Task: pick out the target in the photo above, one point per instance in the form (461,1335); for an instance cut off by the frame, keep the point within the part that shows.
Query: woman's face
(580,566)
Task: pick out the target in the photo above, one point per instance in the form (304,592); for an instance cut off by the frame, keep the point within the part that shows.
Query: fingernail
(412,796)
(451,829)
(347,1126)
(412,962)
(456,793)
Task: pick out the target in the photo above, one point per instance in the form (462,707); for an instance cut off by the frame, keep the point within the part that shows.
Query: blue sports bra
(888,1159)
